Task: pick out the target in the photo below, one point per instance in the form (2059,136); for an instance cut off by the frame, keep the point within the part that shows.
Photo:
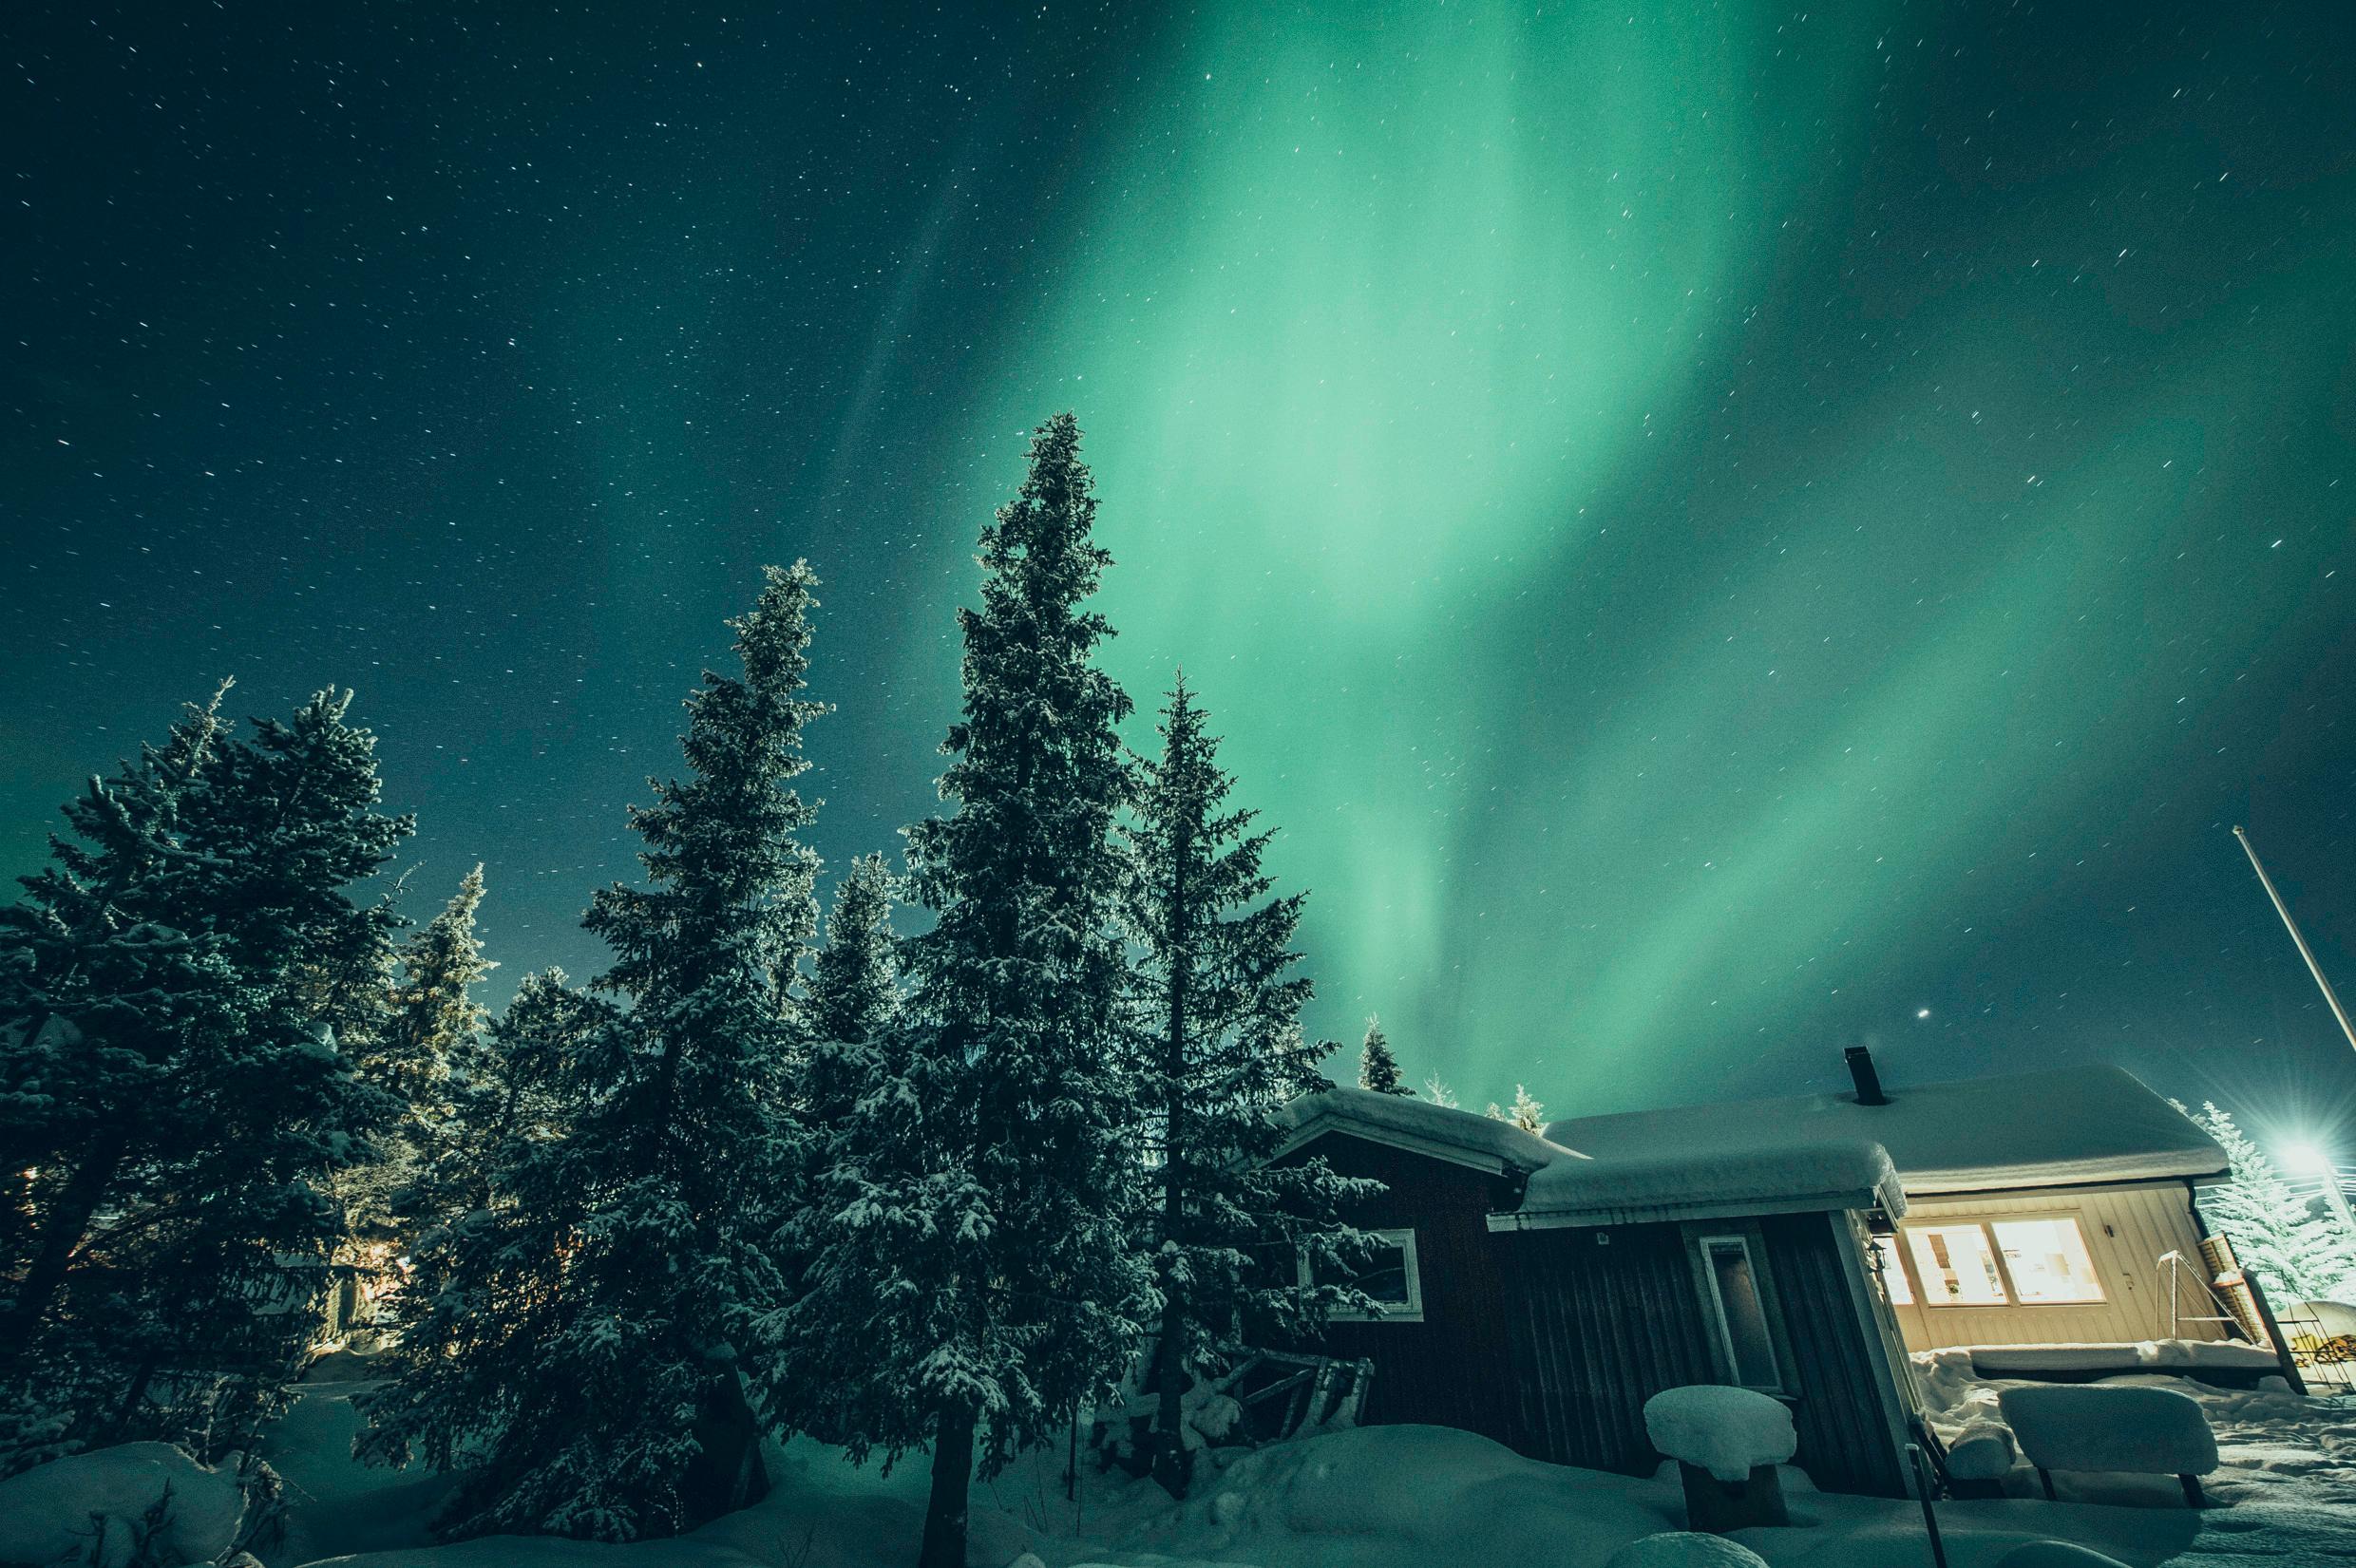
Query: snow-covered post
(1727,1443)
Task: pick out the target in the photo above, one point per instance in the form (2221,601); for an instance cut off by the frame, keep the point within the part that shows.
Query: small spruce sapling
(1378,1069)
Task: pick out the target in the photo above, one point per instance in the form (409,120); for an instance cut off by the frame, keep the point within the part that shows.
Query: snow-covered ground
(1384,1497)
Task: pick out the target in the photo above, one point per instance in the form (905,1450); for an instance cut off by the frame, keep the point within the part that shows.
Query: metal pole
(2335,1196)
(2333,1192)
(2306,953)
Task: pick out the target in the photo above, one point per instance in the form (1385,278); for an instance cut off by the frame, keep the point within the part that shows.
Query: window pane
(1383,1274)
(2047,1260)
(1957,1266)
(1900,1290)
(1748,1343)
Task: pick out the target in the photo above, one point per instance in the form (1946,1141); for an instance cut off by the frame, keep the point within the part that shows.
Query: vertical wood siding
(1845,1443)
(2126,1228)
(1602,1322)
(1454,1368)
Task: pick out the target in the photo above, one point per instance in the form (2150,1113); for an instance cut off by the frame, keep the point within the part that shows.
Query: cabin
(1539,1289)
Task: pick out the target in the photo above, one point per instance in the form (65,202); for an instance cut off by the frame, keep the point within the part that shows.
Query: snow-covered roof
(1444,1132)
(1704,1183)
(2055,1128)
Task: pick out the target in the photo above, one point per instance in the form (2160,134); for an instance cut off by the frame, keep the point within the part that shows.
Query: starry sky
(1717,532)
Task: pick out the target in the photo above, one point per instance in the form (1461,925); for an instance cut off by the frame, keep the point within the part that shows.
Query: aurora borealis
(1713,529)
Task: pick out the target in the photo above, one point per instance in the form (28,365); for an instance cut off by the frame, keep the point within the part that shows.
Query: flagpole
(2292,926)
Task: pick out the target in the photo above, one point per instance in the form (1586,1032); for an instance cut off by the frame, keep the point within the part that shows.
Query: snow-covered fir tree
(592,1385)
(1524,1113)
(434,1015)
(419,1051)
(854,987)
(1437,1094)
(853,1008)
(486,1283)
(2297,1254)
(165,1061)
(1219,998)
(974,1278)
(1378,1069)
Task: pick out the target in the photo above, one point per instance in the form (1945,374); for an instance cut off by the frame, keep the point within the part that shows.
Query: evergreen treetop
(1378,1069)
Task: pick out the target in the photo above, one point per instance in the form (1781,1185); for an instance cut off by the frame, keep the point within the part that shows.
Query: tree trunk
(61,1233)
(1171,1464)
(131,1397)
(728,1473)
(952,1474)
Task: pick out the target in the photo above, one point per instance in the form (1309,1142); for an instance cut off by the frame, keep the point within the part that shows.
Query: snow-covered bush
(139,1505)
(1725,1430)
(1685,1549)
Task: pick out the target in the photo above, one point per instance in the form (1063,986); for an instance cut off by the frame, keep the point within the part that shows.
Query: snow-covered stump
(1727,1443)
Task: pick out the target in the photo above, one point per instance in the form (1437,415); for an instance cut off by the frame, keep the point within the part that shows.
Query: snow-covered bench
(2091,1426)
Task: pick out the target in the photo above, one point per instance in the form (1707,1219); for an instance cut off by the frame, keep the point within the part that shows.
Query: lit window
(1957,1266)
(2047,1260)
(1739,1311)
(1894,1283)
(1387,1272)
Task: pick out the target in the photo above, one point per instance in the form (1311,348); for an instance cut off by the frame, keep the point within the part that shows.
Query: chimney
(1861,1073)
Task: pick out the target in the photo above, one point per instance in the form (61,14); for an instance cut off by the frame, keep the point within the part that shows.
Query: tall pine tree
(619,1411)
(1220,1004)
(1378,1069)
(973,1277)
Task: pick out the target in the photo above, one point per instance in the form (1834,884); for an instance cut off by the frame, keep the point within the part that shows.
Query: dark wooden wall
(1845,1440)
(1604,1319)
(1602,1322)
(1454,1368)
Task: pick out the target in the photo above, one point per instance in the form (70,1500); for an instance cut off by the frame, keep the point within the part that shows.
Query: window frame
(1699,1240)
(1896,1259)
(1923,1297)
(1403,1237)
(2076,1224)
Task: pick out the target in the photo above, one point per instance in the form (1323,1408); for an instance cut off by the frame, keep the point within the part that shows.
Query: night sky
(1717,532)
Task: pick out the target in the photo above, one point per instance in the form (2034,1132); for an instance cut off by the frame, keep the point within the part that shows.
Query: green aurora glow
(1415,345)
(1711,529)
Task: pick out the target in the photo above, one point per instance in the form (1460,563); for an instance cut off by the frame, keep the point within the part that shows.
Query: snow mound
(1980,1450)
(2095,1427)
(1726,1432)
(2056,1554)
(1685,1549)
(92,1508)
(2140,1355)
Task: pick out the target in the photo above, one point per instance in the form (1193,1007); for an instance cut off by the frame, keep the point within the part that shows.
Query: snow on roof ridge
(1835,1173)
(1452,1126)
(2082,1123)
